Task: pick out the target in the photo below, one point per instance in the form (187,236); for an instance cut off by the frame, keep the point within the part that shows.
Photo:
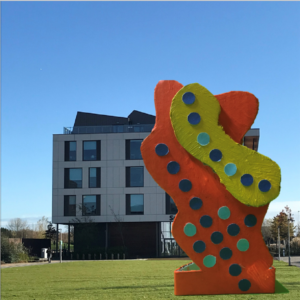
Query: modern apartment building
(99,177)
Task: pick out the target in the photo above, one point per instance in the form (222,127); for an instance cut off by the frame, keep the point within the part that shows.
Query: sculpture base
(190,281)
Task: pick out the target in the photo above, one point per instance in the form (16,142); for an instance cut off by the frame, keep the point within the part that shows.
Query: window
(134,204)
(91,150)
(94,177)
(73,178)
(69,205)
(91,205)
(133,149)
(70,151)
(171,208)
(134,176)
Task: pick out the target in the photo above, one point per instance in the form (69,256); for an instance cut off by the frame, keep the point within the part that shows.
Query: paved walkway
(295,260)
(4,266)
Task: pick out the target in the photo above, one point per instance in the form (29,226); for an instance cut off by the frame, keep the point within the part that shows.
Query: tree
(12,252)
(18,227)
(266,230)
(50,232)
(42,226)
(6,232)
(282,220)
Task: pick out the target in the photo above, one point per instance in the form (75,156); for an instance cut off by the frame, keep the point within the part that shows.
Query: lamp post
(278,243)
(289,219)
(298,231)
(60,247)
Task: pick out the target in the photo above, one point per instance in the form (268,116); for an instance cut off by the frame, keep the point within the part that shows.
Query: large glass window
(94,177)
(133,149)
(73,178)
(171,208)
(91,150)
(69,205)
(134,204)
(134,176)
(91,205)
(70,151)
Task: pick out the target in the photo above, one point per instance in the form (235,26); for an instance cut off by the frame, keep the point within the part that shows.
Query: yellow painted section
(246,160)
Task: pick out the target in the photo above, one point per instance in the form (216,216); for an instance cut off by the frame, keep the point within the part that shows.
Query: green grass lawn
(152,279)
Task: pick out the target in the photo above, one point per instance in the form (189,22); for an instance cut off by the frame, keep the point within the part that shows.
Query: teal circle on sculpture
(230,169)
(243,245)
(209,261)
(190,229)
(203,138)
(224,213)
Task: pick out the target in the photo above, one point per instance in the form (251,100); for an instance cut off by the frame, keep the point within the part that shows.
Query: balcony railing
(108,129)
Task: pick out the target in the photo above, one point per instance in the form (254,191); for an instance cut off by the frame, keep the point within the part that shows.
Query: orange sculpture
(221,235)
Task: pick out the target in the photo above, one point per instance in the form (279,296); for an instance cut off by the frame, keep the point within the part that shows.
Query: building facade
(99,178)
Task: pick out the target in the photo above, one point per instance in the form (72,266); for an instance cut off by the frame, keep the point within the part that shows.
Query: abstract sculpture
(221,189)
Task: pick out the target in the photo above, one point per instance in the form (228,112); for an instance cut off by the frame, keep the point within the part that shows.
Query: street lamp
(279,243)
(289,219)
(298,231)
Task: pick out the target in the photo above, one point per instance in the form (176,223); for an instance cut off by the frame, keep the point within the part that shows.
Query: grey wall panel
(116,152)
(122,200)
(103,177)
(116,177)
(55,151)
(110,177)
(61,151)
(161,203)
(148,190)
(109,149)
(55,176)
(149,181)
(104,150)
(147,204)
(85,177)
(115,191)
(122,150)
(60,178)
(122,177)
(109,204)
(78,151)
(153,203)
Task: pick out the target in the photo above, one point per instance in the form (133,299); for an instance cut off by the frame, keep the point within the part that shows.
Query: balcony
(108,129)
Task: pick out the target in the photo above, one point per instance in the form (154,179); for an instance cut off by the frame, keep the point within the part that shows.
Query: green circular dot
(190,229)
(243,245)
(230,169)
(203,139)
(209,261)
(224,212)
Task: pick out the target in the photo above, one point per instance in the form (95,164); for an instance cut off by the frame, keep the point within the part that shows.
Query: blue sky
(58,58)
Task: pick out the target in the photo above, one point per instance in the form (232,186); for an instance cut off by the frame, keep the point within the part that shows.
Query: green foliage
(126,280)
(6,232)
(282,220)
(11,252)
(50,233)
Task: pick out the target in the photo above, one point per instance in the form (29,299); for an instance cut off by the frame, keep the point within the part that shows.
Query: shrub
(12,253)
